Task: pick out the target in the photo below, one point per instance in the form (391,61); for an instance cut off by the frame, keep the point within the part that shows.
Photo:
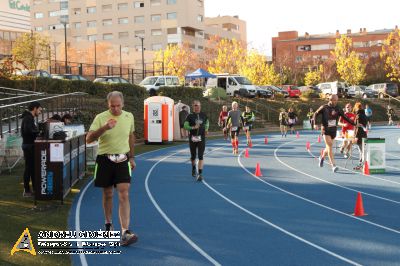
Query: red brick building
(290,49)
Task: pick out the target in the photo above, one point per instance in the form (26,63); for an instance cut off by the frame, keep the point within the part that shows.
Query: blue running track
(295,214)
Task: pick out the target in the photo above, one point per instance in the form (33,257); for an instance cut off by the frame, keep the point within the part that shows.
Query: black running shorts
(197,149)
(235,133)
(330,131)
(107,173)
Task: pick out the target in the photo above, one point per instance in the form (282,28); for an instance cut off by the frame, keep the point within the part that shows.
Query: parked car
(276,91)
(111,80)
(306,88)
(384,89)
(362,91)
(39,73)
(68,77)
(234,85)
(336,87)
(263,92)
(292,90)
(153,83)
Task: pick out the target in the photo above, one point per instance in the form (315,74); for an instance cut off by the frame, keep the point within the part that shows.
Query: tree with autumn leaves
(391,55)
(350,66)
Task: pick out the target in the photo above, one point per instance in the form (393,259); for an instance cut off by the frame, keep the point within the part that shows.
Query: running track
(295,214)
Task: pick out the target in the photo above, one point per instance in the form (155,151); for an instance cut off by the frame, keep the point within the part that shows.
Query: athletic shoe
(27,194)
(128,238)
(321,161)
(358,167)
(334,169)
(341,150)
(109,227)
(194,172)
(199,177)
(285,135)
(346,155)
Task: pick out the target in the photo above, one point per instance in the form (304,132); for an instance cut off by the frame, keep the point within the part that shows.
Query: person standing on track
(248,119)
(292,120)
(360,130)
(330,114)
(310,116)
(345,130)
(223,116)
(114,129)
(234,122)
(197,124)
(283,117)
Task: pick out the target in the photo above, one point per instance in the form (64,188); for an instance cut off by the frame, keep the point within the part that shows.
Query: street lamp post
(142,40)
(65,46)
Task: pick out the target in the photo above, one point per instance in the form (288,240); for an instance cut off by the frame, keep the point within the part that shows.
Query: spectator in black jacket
(29,132)
(360,132)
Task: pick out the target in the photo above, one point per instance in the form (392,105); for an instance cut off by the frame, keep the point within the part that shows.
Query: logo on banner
(24,243)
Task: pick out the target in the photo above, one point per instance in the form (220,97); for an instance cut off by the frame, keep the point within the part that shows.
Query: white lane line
(82,256)
(313,202)
(391,154)
(358,172)
(280,228)
(325,181)
(169,221)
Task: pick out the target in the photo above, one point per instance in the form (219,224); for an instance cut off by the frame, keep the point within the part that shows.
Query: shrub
(218,93)
(309,94)
(180,93)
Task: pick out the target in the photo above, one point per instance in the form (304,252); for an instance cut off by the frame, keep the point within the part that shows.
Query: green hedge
(180,93)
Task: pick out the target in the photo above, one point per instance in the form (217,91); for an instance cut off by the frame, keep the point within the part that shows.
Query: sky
(266,18)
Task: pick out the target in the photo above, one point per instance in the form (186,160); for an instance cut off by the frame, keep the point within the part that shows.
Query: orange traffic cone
(266,140)
(297,134)
(366,168)
(246,153)
(319,138)
(308,145)
(258,170)
(359,208)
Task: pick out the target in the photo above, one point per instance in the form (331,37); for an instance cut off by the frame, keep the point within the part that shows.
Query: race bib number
(196,138)
(117,158)
(234,128)
(331,123)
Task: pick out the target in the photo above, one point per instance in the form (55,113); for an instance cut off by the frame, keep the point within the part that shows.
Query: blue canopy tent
(199,74)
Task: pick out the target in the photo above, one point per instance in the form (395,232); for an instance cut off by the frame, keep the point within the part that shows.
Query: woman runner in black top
(330,115)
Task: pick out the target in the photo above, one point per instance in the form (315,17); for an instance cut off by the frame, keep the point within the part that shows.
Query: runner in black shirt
(330,115)
(197,124)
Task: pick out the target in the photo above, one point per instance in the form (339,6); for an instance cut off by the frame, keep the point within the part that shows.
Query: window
(156,17)
(78,38)
(77,25)
(161,81)
(91,24)
(156,46)
(107,22)
(64,5)
(172,31)
(53,13)
(139,33)
(200,18)
(38,15)
(304,48)
(156,32)
(106,8)
(155,2)
(171,2)
(122,6)
(139,19)
(39,29)
(192,46)
(92,37)
(200,47)
(123,35)
(107,36)
(171,15)
(299,59)
(77,11)
(91,10)
(138,4)
(123,21)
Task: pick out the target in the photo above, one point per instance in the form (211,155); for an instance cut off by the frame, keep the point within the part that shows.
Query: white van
(336,87)
(235,85)
(153,83)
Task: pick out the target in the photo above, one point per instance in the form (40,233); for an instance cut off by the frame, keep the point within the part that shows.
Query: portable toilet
(177,128)
(158,119)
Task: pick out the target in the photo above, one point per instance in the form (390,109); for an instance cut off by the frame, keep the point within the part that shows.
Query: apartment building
(292,50)
(126,22)
(14,20)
